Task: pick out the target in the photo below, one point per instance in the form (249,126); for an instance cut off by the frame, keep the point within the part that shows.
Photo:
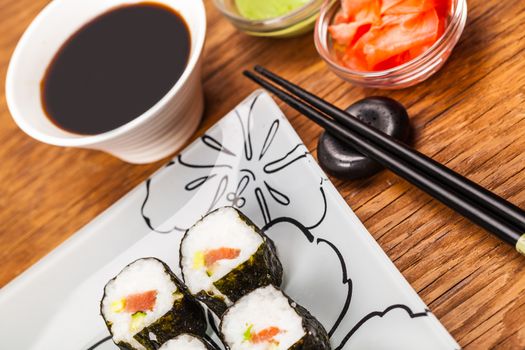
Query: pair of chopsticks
(474,202)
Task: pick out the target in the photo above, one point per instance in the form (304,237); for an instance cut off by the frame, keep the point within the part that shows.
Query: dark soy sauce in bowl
(115,68)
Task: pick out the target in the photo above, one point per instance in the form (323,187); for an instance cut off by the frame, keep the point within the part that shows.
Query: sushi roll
(224,256)
(266,319)
(146,305)
(187,342)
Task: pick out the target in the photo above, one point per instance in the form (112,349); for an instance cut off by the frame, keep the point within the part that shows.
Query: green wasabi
(265,9)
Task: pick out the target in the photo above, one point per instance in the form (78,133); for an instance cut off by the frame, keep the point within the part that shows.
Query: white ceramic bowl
(151,136)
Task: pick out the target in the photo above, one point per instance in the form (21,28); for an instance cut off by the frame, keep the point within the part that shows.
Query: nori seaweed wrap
(146,305)
(224,256)
(269,317)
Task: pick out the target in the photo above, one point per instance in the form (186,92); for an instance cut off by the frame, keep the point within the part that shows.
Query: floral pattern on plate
(253,160)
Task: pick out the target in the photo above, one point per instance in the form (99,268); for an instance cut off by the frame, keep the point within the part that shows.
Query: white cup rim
(87,140)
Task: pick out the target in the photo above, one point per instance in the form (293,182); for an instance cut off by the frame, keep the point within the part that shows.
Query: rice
(263,309)
(184,342)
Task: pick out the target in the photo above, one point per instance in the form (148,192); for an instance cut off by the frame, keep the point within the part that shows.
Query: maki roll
(224,256)
(266,319)
(187,342)
(146,305)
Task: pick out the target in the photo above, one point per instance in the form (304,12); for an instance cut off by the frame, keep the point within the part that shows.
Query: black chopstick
(480,215)
(445,175)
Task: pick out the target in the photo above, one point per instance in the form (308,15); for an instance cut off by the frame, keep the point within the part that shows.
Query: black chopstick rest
(343,161)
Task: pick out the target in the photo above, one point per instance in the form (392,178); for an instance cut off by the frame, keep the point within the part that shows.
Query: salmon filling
(209,258)
(141,301)
(212,256)
(266,335)
(134,303)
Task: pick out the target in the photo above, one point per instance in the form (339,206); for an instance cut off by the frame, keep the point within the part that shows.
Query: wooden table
(470,116)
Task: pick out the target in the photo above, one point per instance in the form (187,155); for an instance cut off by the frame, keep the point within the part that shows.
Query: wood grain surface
(469,116)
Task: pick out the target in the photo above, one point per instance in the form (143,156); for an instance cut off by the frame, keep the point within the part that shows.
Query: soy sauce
(115,68)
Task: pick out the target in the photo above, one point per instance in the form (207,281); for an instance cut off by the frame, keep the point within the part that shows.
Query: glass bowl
(291,24)
(402,76)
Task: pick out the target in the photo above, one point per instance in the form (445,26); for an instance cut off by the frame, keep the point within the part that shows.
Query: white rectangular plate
(252,159)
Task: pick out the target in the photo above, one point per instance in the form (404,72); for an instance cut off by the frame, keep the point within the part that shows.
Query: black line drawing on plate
(146,218)
(345,280)
(99,343)
(381,314)
(262,190)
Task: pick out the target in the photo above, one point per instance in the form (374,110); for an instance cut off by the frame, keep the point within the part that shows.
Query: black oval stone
(343,161)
